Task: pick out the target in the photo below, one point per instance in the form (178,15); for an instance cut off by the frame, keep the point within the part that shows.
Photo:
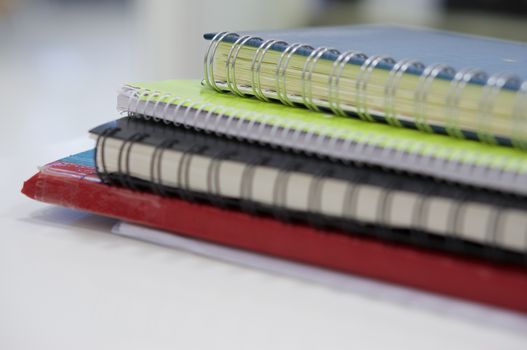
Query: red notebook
(72,182)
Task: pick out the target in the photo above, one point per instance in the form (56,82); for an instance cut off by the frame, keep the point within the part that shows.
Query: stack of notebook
(413,171)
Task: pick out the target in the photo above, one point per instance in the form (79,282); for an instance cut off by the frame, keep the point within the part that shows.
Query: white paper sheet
(369,288)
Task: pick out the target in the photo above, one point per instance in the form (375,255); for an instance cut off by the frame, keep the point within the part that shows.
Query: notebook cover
(425,45)
(72,182)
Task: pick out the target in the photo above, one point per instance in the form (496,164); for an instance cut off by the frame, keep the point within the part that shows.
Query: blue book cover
(401,42)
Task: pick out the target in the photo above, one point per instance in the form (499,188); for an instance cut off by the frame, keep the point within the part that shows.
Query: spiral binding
(256,67)
(520,117)
(307,74)
(247,179)
(347,145)
(213,177)
(420,97)
(314,197)
(334,79)
(100,167)
(491,90)
(458,83)
(453,241)
(208,64)
(124,176)
(390,89)
(280,190)
(419,214)
(281,69)
(230,64)
(156,181)
(362,83)
(428,74)
(184,172)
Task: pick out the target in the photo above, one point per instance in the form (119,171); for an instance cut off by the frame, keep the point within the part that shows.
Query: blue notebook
(436,81)
(426,45)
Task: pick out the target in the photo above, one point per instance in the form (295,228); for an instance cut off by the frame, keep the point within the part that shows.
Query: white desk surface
(66,282)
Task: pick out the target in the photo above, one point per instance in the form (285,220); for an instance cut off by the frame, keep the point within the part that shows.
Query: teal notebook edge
(85,158)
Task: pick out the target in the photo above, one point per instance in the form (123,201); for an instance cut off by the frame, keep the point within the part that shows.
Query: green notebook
(189,103)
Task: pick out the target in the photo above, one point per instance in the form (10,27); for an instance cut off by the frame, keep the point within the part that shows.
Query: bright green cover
(191,93)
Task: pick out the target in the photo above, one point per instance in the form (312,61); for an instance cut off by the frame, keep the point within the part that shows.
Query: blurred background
(155,39)
(61,65)
(62,61)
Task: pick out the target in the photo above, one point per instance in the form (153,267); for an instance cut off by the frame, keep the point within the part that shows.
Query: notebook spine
(453,239)
(493,85)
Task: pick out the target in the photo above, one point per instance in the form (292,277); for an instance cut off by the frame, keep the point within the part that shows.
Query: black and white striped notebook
(369,200)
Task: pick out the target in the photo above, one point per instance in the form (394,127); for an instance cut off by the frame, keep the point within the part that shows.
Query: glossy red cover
(76,186)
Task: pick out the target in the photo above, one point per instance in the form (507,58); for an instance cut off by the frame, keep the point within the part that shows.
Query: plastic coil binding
(459,79)
(290,164)
(100,167)
(124,157)
(247,179)
(346,145)
(156,181)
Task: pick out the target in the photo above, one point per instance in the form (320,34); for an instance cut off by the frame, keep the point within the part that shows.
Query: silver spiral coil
(487,102)
(281,72)
(335,77)
(307,75)
(519,118)
(345,144)
(457,85)
(392,84)
(230,63)
(256,67)
(208,62)
(361,85)
(397,69)
(421,93)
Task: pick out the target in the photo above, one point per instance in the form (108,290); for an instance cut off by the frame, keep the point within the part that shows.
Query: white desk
(67,283)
